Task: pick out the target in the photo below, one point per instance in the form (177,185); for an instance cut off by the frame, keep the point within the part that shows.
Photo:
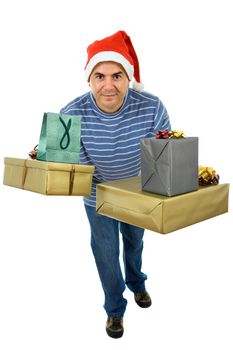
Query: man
(114,119)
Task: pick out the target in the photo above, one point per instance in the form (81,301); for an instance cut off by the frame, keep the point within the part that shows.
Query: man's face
(109,84)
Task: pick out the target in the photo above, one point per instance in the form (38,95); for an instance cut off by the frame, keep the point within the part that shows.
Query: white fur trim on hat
(105,56)
(137,86)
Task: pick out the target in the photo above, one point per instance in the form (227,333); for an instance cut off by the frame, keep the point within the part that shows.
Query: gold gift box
(48,178)
(125,201)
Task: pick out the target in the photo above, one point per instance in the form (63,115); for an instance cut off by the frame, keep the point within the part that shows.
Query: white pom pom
(137,86)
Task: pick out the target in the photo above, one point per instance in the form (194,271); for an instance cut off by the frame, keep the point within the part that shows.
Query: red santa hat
(117,48)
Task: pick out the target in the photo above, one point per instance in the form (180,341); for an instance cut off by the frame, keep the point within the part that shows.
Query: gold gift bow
(71,179)
(207,176)
(206,172)
(165,134)
(176,134)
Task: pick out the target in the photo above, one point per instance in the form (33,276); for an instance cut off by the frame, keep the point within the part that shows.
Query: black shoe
(114,327)
(143,299)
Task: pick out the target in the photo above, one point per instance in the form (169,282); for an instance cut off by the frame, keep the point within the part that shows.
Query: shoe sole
(144,305)
(114,334)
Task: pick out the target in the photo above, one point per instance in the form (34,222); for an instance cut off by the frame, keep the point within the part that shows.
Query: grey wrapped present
(169,166)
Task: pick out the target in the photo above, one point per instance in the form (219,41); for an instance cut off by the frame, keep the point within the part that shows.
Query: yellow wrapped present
(125,201)
(48,178)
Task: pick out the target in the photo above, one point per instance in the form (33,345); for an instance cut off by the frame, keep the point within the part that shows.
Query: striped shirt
(111,141)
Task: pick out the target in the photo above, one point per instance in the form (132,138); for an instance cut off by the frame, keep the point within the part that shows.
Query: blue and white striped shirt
(111,142)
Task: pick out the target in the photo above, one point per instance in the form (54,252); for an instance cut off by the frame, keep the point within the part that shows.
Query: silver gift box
(169,166)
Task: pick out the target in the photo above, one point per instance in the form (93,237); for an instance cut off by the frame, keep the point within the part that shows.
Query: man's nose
(108,83)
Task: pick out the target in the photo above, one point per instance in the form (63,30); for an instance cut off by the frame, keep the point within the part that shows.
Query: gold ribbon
(24,174)
(72,174)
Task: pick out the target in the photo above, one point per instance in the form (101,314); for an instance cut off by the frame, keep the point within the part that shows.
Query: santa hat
(117,48)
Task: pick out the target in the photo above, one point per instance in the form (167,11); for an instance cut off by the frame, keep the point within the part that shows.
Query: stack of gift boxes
(167,196)
(55,168)
(172,191)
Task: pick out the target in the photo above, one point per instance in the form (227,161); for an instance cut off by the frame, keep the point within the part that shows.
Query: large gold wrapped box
(125,201)
(48,178)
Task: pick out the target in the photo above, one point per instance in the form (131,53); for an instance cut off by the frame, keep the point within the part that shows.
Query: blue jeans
(105,247)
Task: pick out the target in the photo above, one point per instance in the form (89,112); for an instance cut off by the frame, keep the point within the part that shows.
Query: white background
(50,294)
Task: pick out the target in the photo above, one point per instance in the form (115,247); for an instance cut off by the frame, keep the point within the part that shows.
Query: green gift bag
(60,138)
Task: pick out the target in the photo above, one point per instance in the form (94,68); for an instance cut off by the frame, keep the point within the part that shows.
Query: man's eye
(99,77)
(117,76)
